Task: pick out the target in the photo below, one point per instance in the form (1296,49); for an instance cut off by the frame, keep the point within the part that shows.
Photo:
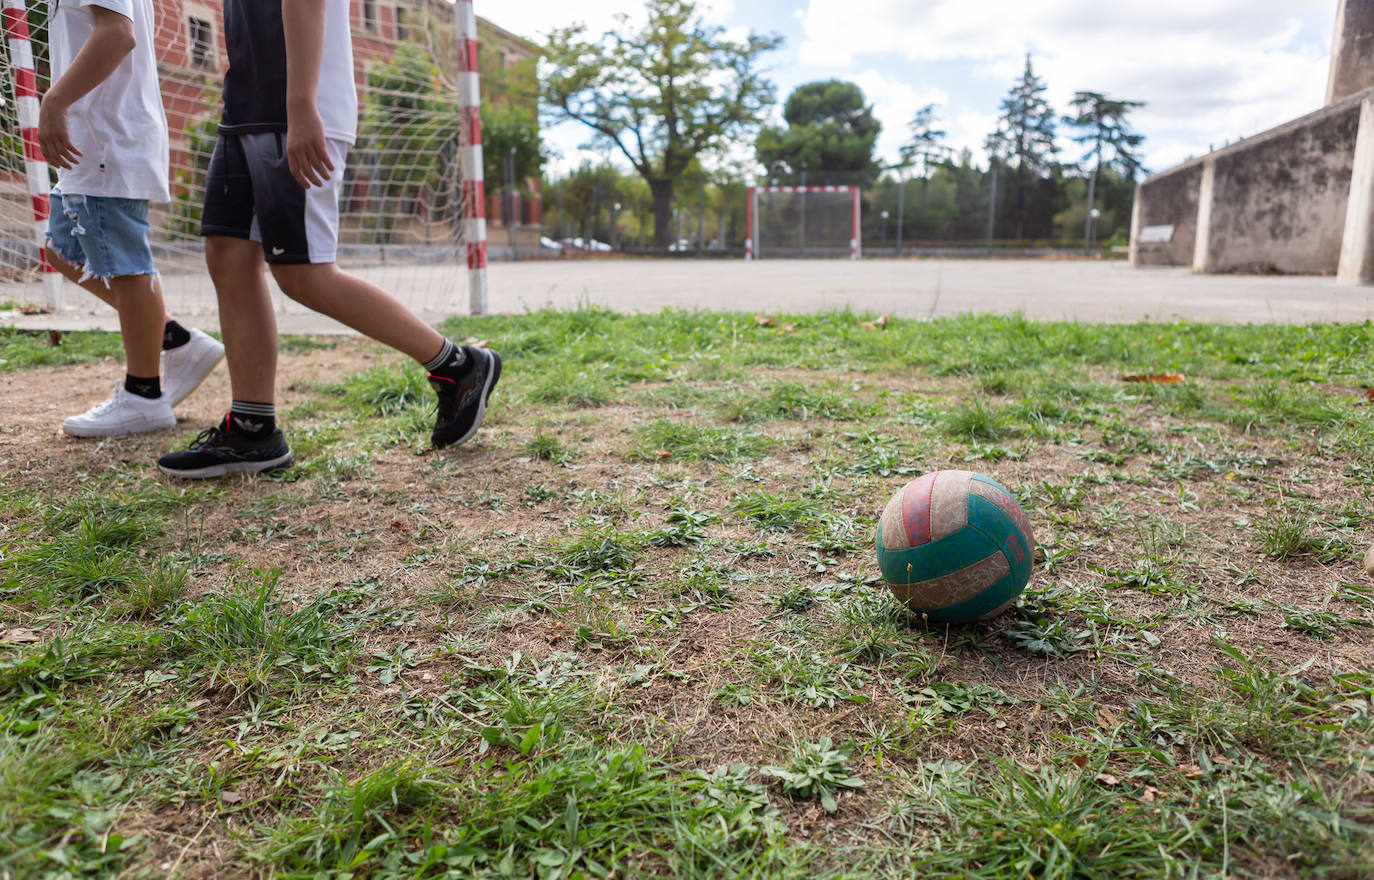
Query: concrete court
(1090,291)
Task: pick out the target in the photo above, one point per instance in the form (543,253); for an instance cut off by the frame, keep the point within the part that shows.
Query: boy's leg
(109,238)
(246,319)
(300,231)
(248,440)
(359,304)
(188,356)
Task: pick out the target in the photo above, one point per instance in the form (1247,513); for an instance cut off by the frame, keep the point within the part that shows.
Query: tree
(830,128)
(925,145)
(1104,129)
(1024,139)
(662,93)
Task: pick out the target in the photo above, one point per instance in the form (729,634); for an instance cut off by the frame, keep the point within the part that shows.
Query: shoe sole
(205,365)
(232,467)
(121,431)
(493,375)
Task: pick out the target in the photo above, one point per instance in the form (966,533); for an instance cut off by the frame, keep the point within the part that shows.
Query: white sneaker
(120,414)
(186,366)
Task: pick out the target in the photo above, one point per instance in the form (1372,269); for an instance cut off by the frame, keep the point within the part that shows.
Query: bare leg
(141,318)
(361,305)
(94,285)
(246,319)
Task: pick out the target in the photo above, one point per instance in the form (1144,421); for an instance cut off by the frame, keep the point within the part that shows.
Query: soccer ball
(955,546)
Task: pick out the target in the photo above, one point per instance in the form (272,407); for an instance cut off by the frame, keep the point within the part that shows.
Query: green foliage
(661,93)
(830,128)
(817,770)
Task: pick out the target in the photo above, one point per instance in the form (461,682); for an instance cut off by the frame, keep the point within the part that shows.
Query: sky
(1210,71)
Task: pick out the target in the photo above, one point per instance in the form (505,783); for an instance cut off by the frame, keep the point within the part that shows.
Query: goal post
(805,221)
(411,213)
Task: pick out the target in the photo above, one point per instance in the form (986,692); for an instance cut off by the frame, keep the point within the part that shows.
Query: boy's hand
(307,154)
(53,139)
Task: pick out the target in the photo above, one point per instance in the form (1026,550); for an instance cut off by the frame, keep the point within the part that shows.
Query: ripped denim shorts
(105,236)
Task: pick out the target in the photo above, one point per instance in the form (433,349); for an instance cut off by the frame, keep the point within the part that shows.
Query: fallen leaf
(1191,771)
(787,328)
(662,454)
(1105,718)
(1369,392)
(398,526)
(1079,761)
(868,325)
(1223,761)
(54,337)
(1156,378)
(476,343)
(1108,779)
(17,636)
(883,321)
(1150,794)
(765,320)
(230,797)
(35,310)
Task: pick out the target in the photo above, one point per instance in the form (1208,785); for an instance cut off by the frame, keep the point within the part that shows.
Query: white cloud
(1210,70)
(894,103)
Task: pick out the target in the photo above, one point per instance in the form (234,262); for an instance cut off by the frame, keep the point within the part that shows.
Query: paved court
(1058,289)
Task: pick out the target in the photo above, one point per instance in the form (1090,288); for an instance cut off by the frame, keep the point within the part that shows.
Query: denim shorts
(105,236)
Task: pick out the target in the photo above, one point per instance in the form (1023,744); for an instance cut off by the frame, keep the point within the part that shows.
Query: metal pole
(802,231)
(701,215)
(901,200)
(470,141)
(510,204)
(992,204)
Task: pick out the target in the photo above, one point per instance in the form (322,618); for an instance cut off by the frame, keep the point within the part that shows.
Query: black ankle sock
(251,419)
(452,362)
(150,388)
(174,335)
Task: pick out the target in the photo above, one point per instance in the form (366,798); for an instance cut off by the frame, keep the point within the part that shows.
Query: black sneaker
(216,452)
(463,402)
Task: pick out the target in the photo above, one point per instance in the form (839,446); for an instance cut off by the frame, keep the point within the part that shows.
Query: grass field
(634,630)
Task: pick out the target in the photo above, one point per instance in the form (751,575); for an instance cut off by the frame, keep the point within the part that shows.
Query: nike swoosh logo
(277,252)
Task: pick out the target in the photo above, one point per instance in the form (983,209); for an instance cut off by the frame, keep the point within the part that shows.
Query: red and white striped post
(470,157)
(26,103)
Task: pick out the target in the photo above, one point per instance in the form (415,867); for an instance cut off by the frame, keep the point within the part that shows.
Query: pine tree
(1024,139)
(1109,140)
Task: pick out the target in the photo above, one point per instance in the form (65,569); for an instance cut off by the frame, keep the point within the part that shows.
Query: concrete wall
(1352,50)
(1169,199)
(1278,200)
(1275,202)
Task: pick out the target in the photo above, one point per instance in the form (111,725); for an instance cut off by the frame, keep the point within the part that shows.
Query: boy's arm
(306,152)
(112,39)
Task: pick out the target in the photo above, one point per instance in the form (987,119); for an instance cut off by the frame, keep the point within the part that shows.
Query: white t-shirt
(119,126)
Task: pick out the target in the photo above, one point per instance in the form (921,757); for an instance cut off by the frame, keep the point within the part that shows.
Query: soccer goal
(411,204)
(802,221)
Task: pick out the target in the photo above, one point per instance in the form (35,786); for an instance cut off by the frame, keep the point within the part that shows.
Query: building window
(402,31)
(370,14)
(202,42)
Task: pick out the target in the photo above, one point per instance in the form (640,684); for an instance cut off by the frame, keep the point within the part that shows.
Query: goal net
(403,203)
(802,221)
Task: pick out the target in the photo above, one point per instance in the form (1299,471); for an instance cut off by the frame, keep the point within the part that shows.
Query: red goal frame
(751,215)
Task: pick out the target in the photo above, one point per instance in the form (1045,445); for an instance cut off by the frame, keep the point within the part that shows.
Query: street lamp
(1092,227)
(615,225)
(883,237)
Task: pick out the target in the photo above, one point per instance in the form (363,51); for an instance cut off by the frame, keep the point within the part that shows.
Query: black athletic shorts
(250,193)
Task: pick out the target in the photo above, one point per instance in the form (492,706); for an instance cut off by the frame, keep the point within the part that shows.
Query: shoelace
(211,436)
(105,405)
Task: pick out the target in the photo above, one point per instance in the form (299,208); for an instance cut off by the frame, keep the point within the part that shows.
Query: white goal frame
(752,244)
